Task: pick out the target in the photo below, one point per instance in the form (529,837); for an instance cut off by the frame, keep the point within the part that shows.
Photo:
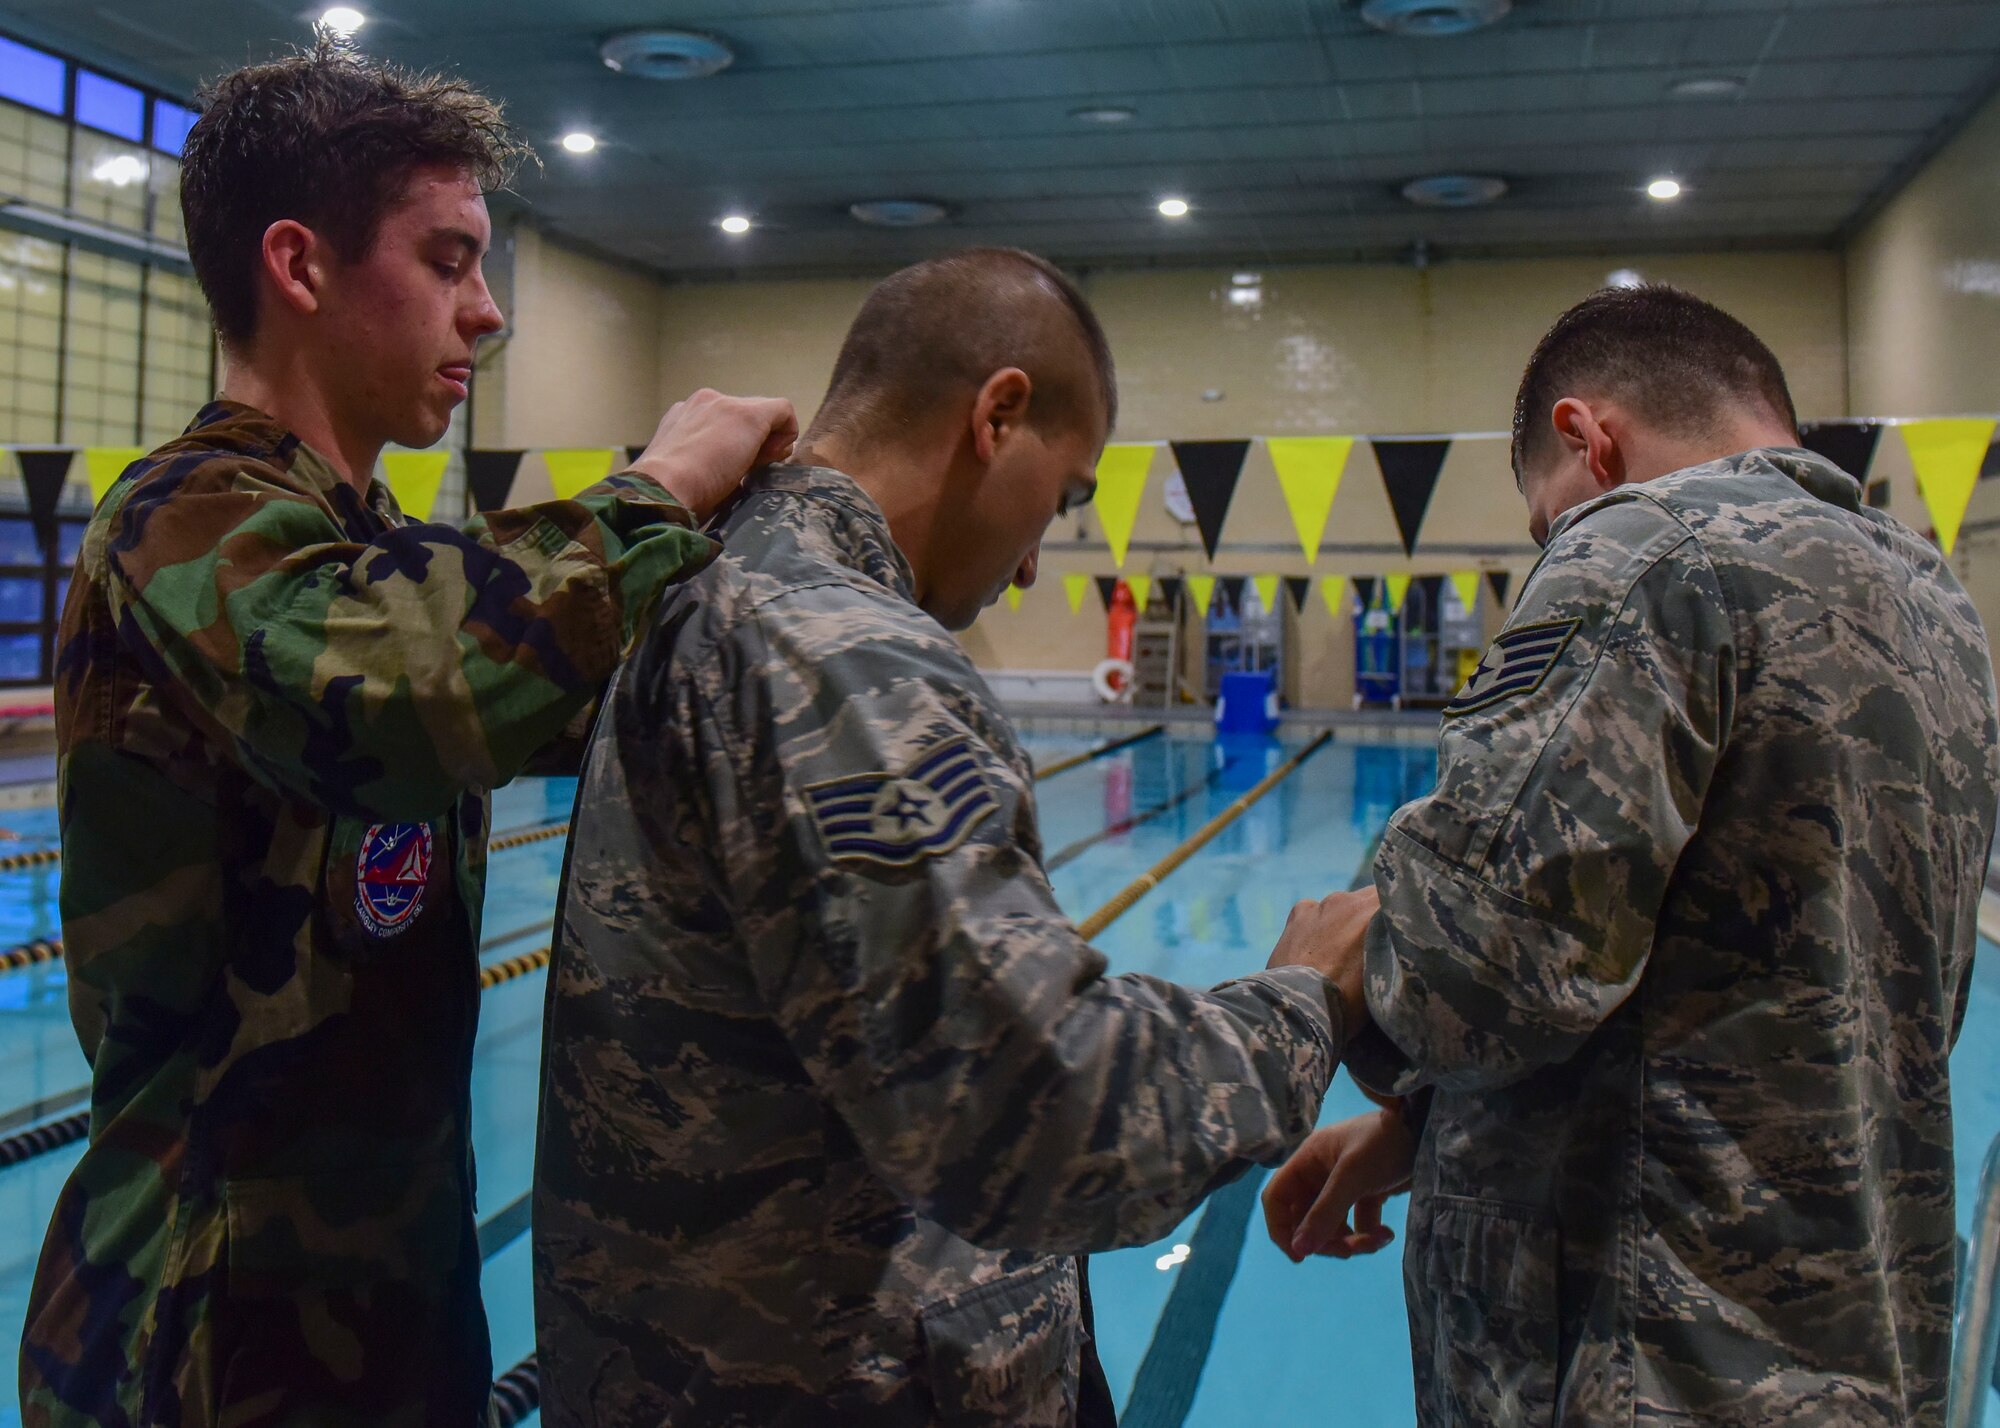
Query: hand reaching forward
(1354,1165)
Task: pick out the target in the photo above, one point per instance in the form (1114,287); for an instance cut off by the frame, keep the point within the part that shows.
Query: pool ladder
(1976,1327)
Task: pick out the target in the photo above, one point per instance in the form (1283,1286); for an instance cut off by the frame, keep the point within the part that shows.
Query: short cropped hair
(927,333)
(327,137)
(1676,361)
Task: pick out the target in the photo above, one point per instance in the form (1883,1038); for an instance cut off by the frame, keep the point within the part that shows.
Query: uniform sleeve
(900,929)
(385,679)
(1519,899)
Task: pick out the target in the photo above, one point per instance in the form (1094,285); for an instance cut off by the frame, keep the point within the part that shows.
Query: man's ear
(1582,429)
(295,259)
(1000,409)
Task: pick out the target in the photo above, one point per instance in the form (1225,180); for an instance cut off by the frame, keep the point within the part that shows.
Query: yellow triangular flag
(105,464)
(571,471)
(1121,481)
(414,478)
(1399,586)
(1333,590)
(1309,470)
(1142,586)
(1013,597)
(1466,583)
(1076,587)
(1947,457)
(1266,587)
(1202,587)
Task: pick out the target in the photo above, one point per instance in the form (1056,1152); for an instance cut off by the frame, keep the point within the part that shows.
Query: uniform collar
(235,426)
(858,529)
(1816,474)
(1813,473)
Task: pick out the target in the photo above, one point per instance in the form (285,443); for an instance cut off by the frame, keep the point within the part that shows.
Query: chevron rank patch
(1517,664)
(900,818)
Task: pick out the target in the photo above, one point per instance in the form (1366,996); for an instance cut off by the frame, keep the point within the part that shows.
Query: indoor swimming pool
(1210,1327)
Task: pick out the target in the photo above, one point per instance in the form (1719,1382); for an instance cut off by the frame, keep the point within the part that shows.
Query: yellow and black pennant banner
(573,470)
(414,478)
(1121,482)
(1075,587)
(1309,469)
(489,476)
(1850,445)
(1210,471)
(1947,456)
(103,465)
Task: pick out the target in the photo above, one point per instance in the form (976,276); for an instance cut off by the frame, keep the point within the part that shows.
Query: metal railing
(1976,1326)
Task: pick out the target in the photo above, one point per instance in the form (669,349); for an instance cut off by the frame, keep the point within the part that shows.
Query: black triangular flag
(1231,587)
(1433,588)
(1298,587)
(1107,586)
(1850,445)
(1497,581)
(1410,474)
(489,475)
(1990,467)
(1169,587)
(1878,495)
(632,454)
(1209,469)
(43,473)
(1364,591)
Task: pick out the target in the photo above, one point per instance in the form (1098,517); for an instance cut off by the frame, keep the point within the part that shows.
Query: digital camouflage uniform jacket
(279,708)
(830,1082)
(1682,942)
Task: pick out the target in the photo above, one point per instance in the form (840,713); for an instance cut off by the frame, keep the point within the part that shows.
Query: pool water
(1239,1335)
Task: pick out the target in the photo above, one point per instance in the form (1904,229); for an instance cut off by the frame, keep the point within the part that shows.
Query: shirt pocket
(1491,1270)
(1007,1352)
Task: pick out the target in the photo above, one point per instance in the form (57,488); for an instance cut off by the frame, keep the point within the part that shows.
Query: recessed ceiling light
(666,54)
(1707,86)
(1104,114)
(1428,19)
(1173,208)
(343,20)
(1663,189)
(1245,280)
(735,223)
(1624,278)
(1454,190)
(899,212)
(578,142)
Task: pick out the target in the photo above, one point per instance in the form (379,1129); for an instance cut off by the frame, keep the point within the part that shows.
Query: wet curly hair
(328,137)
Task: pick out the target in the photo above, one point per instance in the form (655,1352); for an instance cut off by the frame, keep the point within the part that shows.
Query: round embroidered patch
(390,875)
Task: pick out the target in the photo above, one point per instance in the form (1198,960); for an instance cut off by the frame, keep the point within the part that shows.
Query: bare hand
(1352,1166)
(1330,936)
(707,444)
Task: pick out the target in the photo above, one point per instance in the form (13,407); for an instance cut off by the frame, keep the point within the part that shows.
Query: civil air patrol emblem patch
(1517,664)
(391,873)
(901,818)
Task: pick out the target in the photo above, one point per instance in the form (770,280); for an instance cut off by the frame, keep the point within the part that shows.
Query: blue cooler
(1248,703)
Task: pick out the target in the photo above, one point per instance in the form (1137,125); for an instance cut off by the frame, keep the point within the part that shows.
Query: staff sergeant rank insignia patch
(1517,664)
(900,818)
